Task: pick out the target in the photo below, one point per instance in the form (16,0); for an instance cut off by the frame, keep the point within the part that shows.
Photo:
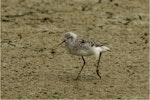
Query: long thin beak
(57,46)
(61,43)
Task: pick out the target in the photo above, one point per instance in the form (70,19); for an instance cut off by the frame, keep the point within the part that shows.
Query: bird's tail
(104,48)
(98,50)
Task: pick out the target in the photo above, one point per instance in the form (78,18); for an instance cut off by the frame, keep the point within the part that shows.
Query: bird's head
(69,37)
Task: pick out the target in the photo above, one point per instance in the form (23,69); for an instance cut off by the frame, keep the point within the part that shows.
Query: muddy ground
(30,28)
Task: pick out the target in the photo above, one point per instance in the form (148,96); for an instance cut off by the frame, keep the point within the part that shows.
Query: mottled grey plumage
(83,46)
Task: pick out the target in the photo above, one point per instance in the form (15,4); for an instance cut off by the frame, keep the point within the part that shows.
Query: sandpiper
(84,46)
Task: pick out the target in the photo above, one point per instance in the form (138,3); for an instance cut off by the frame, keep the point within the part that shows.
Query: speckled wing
(90,41)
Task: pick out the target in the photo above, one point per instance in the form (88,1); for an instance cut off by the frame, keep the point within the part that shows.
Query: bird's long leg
(97,70)
(81,68)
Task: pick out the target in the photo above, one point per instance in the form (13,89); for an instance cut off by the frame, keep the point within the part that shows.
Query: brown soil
(30,28)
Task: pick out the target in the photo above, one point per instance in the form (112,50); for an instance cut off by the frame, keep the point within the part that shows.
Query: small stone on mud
(116,4)
(140,17)
(146,34)
(45,92)
(95,83)
(52,51)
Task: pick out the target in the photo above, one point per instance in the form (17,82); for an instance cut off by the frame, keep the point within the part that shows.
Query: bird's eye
(70,37)
(82,41)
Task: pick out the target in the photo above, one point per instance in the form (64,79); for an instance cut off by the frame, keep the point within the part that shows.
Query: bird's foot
(97,71)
